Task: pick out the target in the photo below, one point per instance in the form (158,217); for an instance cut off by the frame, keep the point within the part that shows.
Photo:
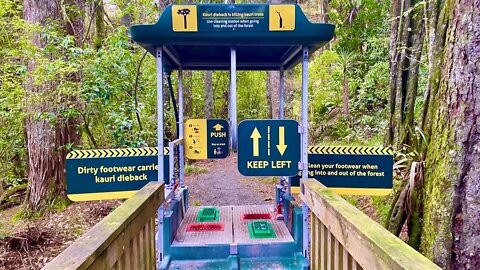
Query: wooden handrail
(122,240)
(344,238)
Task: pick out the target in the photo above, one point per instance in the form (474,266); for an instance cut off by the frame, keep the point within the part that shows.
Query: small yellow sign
(196,139)
(282,18)
(184,18)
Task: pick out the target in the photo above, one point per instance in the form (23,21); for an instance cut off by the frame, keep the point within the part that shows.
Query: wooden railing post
(122,240)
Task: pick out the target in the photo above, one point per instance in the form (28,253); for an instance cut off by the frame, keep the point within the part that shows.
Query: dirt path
(224,185)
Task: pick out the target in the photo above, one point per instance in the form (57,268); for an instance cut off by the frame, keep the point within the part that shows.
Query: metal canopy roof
(199,37)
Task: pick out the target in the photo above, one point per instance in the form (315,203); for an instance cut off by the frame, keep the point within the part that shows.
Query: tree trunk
(46,137)
(42,163)
(406,43)
(224,113)
(346,111)
(452,210)
(273,94)
(126,19)
(68,129)
(99,24)
(188,98)
(324,18)
(273,87)
(208,94)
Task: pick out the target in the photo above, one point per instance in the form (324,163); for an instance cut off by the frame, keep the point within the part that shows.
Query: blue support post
(161,210)
(304,147)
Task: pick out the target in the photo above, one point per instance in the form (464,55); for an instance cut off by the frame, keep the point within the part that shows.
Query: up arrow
(255,138)
(281,141)
(218,127)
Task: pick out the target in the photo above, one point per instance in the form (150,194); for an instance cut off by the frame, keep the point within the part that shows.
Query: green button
(261,229)
(208,214)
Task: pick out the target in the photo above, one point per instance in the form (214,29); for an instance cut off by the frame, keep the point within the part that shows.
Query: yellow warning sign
(282,17)
(196,138)
(184,18)
(350,150)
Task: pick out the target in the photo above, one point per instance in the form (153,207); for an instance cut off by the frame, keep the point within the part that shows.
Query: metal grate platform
(240,226)
(196,238)
(235,229)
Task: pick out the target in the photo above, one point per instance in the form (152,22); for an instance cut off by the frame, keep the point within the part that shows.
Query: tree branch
(135,88)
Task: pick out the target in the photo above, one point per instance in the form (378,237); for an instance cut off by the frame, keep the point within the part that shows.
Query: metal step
(227,243)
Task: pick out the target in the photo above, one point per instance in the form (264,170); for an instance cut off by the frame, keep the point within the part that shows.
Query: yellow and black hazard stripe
(122,152)
(350,150)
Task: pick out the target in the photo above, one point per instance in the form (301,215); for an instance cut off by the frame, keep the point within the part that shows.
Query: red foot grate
(256,216)
(205,227)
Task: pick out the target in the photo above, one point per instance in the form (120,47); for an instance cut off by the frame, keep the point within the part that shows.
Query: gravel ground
(224,185)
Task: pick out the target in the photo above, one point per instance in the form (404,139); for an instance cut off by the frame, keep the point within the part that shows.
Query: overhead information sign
(268,147)
(103,174)
(234,18)
(351,170)
(206,138)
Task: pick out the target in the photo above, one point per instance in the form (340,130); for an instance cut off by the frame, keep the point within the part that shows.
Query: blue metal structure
(231,37)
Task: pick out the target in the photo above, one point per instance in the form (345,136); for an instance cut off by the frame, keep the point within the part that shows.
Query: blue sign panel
(218,138)
(233,18)
(351,170)
(268,147)
(111,173)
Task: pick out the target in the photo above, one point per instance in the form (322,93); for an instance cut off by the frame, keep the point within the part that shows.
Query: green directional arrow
(255,137)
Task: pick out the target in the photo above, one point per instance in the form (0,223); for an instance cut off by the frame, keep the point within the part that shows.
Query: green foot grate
(208,214)
(261,229)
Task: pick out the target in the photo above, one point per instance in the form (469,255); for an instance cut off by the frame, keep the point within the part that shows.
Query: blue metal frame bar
(161,210)
(170,51)
(181,150)
(304,146)
(233,99)
(171,164)
(295,51)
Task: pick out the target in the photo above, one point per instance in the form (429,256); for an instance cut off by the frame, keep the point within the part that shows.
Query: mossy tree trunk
(100,30)
(406,45)
(406,42)
(452,179)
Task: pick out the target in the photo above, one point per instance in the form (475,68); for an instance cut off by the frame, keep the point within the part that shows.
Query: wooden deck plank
(103,245)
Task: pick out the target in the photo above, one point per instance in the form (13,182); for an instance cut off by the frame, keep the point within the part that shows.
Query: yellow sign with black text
(196,138)
(206,138)
(184,18)
(282,17)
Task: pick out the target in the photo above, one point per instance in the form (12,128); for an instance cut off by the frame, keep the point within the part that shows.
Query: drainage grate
(205,227)
(208,214)
(261,229)
(256,216)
